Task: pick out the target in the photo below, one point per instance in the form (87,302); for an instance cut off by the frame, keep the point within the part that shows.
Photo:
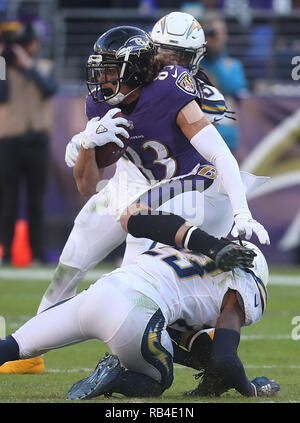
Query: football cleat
(265,387)
(234,255)
(204,390)
(28,366)
(100,382)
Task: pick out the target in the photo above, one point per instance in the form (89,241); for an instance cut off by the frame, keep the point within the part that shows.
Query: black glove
(234,255)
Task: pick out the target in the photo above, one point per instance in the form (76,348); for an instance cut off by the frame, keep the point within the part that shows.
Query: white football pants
(97,230)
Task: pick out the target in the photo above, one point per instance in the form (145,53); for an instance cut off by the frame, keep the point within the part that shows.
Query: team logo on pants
(154,352)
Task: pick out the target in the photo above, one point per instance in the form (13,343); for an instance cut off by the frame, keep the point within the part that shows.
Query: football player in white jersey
(171,37)
(85,248)
(130,308)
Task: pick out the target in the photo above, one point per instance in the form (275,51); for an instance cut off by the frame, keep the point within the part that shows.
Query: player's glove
(99,132)
(72,150)
(234,255)
(244,224)
(264,387)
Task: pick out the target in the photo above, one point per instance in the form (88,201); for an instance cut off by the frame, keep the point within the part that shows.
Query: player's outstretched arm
(225,369)
(173,230)
(209,143)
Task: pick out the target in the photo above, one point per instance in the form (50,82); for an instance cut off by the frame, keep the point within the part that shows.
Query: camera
(11,33)
(210,32)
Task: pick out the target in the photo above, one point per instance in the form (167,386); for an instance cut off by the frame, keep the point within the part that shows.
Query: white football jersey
(213,103)
(129,309)
(188,300)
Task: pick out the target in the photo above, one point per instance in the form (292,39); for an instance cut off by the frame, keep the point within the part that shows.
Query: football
(111,152)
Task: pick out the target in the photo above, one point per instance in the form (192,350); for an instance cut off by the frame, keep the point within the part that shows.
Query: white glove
(244,224)
(72,150)
(99,132)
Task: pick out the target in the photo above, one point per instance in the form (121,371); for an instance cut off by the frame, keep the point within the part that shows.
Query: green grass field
(266,349)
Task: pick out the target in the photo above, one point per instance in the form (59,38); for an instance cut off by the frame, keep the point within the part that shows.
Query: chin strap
(119,98)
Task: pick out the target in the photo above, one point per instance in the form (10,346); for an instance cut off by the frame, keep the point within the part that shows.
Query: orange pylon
(21,254)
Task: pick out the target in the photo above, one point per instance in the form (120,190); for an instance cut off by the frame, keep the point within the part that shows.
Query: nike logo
(175,73)
(101,129)
(255,301)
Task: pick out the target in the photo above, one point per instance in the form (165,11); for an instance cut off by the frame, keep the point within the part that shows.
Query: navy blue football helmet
(125,49)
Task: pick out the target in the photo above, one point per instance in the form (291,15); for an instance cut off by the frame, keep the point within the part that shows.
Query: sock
(132,384)
(9,350)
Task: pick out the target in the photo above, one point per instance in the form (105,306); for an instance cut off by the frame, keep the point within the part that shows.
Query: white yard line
(178,366)
(264,337)
(41,274)
(287,280)
(47,273)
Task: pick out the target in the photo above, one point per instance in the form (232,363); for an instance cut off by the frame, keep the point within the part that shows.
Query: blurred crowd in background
(252,49)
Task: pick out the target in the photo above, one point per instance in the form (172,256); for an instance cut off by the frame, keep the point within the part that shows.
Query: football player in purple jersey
(161,103)
(156,137)
(171,136)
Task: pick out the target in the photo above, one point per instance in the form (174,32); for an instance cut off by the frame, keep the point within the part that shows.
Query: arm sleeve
(209,143)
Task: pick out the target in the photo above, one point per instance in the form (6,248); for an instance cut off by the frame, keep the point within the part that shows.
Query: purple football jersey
(157,145)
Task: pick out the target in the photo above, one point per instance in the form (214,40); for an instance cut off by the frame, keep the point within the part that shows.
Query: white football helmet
(181,32)
(260,268)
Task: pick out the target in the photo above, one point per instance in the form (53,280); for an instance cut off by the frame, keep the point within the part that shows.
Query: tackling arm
(224,369)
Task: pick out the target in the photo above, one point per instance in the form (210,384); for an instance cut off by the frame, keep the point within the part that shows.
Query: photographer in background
(25,124)
(226,73)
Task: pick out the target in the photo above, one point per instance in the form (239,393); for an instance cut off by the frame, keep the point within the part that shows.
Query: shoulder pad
(180,76)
